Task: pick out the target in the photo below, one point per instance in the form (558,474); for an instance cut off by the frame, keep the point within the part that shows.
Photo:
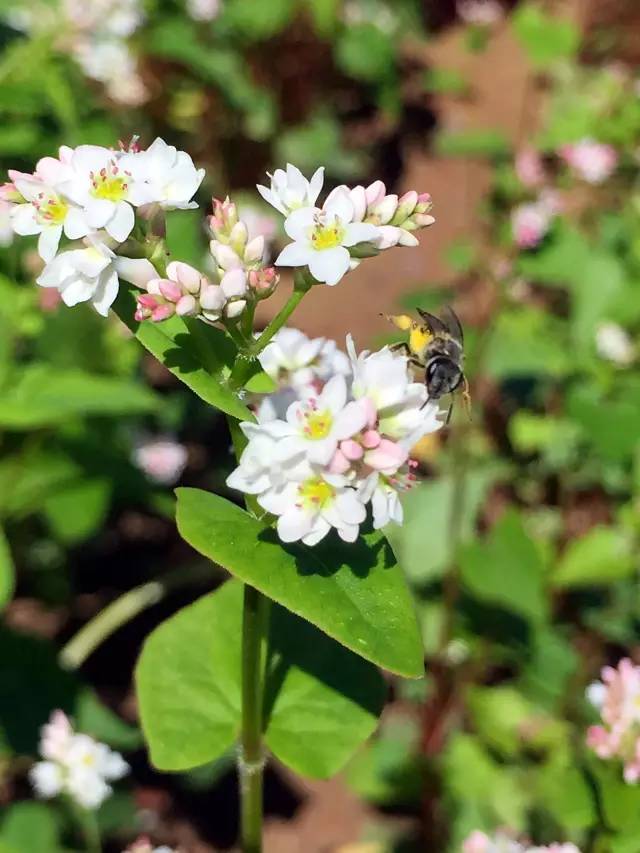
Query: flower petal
(329,265)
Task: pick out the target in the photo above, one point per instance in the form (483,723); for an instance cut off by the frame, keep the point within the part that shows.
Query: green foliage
(365,53)
(29,827)
(546,39)
(7,570)
(354,593)
(489,144)
(321,701)
(601,556)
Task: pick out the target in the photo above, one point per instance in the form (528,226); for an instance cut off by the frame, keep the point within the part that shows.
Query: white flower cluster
(91,194)
(75,764)
(480,842)
(338,449)
(325,238)
(143,845)
(162,459)
(95,33)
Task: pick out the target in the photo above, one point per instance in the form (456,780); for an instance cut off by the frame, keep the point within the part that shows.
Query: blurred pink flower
(162,460)
(529,167)
(480,13)
(592,161)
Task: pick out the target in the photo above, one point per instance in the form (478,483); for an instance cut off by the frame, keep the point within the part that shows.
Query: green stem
(90,830)
(279,320)
(251,758)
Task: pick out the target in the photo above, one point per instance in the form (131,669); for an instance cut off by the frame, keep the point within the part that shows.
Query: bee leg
(448,418)
(401,346)
(466,396)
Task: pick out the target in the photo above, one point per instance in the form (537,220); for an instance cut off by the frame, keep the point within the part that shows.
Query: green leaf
(76,511)
(611,425)
(565,792)
(321,701)
(560,261)
(601,556)
(445,81)
(620,802)
(319,140)
(365,53)
(506,570)
(546,39)
(488,143)
(355,593)
(7,570)
(30,827)
(427,508)
(499,715)
(41,396)
(96,719)
(528,341)
(174,347)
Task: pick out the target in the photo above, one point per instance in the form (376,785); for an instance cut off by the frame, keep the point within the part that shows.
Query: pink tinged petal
(375,192)
(359,232)
(351,450)
(330,265)
(187,306)
(162,312)
(138,271)
(254,250)
(370,411)
(359,201)
(106,293)
(234,283)
(186,275)
(387,456)
(75,224)
(371,439)
(388,236)
(339,204)
(298,223)
(294,255)
(339,463)
(234,309)
(122,222)
(294,524)
(212,298)
(169,289)
(49,241)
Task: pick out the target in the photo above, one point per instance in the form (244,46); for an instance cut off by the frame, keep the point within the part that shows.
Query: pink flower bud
(477,842)
(424,203)
(224,255)
(263,281)
(234,283)
(371,439)
(339,463)
(185,275)
(351,449)
(9,192)
(406,206)
(388,456)
(170,290)
(374,193)
(163,312)
(254,250)
(358,197)
(187,306)
(225,216)
(212,298)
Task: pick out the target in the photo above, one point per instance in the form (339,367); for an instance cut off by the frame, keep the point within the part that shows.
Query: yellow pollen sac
(327,236)
(109,185)
(53,210)
(318,425)
(315,493)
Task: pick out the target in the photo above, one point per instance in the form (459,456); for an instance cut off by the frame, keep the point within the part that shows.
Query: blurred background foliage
(522,542)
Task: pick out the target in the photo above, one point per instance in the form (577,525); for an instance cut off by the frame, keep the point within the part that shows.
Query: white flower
(258,468)
(143,845)
(203,10)
(75,764)
(6,229)
(403,410)
(596,693)
(163,460)
(309,508)
(590,160)
(293,359)
(91,275)
(47,213)
(102,184)
(480,13)
(614,344)
(290,190)
(168,175)
(318,424)
(322,238)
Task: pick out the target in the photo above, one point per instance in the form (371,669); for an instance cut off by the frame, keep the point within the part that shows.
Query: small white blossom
(91,275)
(290,190)
(322,238)
(614,344)
(75,764)
(204,10)
(480,13)
(590,160)
(168,175)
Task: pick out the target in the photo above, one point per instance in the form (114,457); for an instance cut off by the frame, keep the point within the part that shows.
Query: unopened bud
(263,282)
(234,308)
(187,306)
(383,212)
(406,206)
(224,255)
(374,193)
(170,290)
(225,216)
(358,197)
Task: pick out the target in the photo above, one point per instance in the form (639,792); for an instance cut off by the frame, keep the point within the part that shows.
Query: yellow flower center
(88,760)
(315,493)
(317,424)
(327,235)
(109,184)
(51,209)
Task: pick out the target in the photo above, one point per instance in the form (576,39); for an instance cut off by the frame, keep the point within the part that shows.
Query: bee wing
(434,324)
(452,324)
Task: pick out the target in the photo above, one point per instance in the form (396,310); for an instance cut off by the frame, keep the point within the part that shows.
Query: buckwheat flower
(163,460)
(530,223)
(91,275)
(480,13)
(614,344)
(322,238)
(290,189)
(307,509)
(144,845)
(590,160)
(529,168)
(258,468)
(168,175)
(6,228)
(47,213)
(102,184)
(618,737)
(75,764)
(293,360)
(396,217)
(203,10)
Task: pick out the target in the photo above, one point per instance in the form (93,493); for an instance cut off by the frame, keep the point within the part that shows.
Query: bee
(436,345)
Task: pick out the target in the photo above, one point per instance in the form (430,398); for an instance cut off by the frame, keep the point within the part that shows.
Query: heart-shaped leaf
(321,701)
(355,593)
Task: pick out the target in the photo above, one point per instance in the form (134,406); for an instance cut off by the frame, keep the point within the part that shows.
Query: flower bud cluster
(530,222)
(480,842)
(617,698)
(338,450)
(396,217)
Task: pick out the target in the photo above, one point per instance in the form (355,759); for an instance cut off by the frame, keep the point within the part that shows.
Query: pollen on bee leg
(401,321)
